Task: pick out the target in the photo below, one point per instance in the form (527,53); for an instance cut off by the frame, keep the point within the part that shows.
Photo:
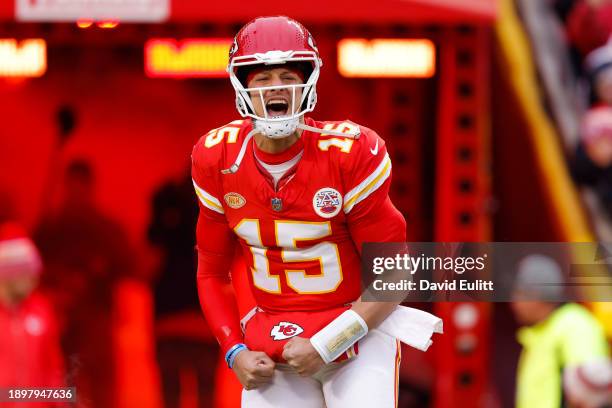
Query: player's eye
(261,78)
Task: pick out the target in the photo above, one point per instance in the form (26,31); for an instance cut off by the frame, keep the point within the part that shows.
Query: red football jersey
(301,240)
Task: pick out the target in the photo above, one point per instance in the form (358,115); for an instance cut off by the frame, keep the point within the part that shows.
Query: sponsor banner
(99,10)
(189,58)
(487,272)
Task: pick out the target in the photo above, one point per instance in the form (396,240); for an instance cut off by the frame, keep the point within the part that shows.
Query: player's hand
(302,356)
(253,368)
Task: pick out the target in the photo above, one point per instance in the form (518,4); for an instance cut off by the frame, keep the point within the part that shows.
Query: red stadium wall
(136,132)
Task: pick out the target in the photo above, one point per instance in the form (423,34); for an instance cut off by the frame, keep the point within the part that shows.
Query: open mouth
(277,107)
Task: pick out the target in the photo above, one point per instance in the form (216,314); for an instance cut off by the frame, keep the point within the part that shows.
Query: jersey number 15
(288,233)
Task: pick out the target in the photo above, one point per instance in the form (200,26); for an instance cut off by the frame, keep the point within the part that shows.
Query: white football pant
(368,380)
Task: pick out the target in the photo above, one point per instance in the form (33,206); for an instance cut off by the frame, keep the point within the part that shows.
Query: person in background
(185,345)
(588,24)
(85,253)
(592,163)
(554,335)
(30,354)
(598,66)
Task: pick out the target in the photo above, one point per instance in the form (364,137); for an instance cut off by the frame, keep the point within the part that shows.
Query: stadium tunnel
(468,165)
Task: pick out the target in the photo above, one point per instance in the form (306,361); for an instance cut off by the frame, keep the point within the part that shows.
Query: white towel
(411,326)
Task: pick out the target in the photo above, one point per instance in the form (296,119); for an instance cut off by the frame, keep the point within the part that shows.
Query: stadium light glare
(84,23)
(195,58)
(108,24)
(28,58)
(392,58)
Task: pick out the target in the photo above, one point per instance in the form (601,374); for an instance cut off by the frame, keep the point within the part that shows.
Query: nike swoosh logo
(374,151)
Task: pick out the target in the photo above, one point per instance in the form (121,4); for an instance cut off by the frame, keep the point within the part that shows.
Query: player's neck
(275,146)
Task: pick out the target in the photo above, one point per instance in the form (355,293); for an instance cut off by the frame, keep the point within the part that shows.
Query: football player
(300,197)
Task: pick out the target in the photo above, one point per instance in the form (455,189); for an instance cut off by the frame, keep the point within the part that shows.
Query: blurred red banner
(140,11)
(314,11)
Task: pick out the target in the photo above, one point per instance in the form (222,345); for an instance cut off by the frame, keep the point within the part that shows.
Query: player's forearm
(217,298)
(373,313)
(218,304)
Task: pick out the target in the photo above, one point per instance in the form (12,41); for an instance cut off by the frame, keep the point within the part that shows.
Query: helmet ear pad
(242,106)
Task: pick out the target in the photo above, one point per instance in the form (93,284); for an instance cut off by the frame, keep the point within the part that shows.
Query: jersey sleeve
(205,175)
(215,248)
(215,239)
(371,215)
(366,170)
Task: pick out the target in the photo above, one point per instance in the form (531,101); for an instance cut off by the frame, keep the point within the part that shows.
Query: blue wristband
(233,352)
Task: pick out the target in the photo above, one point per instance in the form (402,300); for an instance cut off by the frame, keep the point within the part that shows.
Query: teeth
(271,101)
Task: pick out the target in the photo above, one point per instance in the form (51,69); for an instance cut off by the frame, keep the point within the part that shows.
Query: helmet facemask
(258,43)
(276,127)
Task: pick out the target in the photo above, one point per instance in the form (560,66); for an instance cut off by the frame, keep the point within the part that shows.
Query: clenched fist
(253,369)
(302,356)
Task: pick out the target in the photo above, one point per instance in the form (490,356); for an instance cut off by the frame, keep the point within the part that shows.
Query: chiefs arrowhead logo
(285,330)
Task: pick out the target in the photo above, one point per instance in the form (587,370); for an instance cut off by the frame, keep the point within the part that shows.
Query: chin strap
(234,167)
(349,134)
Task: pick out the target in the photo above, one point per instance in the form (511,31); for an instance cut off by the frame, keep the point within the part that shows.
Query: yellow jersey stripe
(357,189)
(370,187)
(208,200)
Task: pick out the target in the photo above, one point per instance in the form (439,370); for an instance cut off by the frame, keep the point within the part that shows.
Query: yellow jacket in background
(570,335)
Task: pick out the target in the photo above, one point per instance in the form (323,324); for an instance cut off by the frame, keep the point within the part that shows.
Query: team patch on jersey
(277,204)
(234,200)
(285,330)
(327,202)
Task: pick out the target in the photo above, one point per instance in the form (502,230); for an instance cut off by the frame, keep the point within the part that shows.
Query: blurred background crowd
(506,135)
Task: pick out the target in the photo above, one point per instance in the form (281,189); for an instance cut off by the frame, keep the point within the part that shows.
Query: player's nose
(276,80)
